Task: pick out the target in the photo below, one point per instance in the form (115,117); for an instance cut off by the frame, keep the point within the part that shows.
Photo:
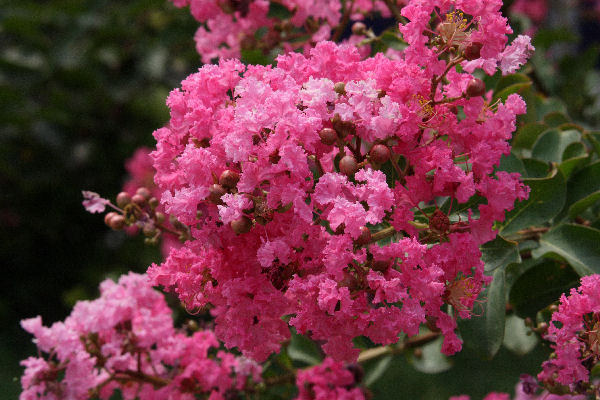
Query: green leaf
(498,253)
(484,334)
(555,119)
(540,285)
(568,166)
(279,11)
(546,199)
(535,168)
(375,371)
(578,245)
(507,91)
(516,337)
(304,350)
(511,163)
(551,145)
(432,361)
(509,80)
(583,189)
(526,137)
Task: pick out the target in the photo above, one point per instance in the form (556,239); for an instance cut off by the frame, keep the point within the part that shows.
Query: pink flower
(93,203)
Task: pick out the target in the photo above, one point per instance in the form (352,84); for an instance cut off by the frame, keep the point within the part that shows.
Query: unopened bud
(380,154)
(117,222)
(153,202)
(241,225)
(149,230)
(139,200)
(475,88)
(229,179)
(109,216)
(159,217)
(348,165)
(123,199)
(364,237)
(215,193)
(144,192)
(340,88)
(473,51)
(359,28)
(328,136)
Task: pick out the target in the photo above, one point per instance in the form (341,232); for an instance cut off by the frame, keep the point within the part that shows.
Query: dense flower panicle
(575,334)
(230,26)
(330,380)
(291,179)
(125,340)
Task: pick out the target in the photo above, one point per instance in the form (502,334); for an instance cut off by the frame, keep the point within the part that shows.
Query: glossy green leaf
(526,137)
(551,145)
(512,163)
(556,119)
(540,285)
(583,189)
(579,245)
(509,80)
(546,200)
(304,350)
(535,168)
(503,94)
(374,370)
(485,333)
(499,252)
(594,139)
(518,337)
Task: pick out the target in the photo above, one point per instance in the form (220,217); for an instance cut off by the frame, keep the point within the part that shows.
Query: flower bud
(215,193)
(473,51)
(117,222)
(241,225)
(380,154)
(149,229)
(348,165)
(109,216)
(153,202)
(359,28)
(439,222)
(139,200)
(340,88)
(364,237)
(229,179)
(123,199)
(159,217)
(144,192)
(475,88)
(328,136)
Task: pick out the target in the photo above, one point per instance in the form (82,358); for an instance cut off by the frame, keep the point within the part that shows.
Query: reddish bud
(473,51)
(348,165)
(359,28)
(241,225)
(144,192)
(117,222)
(229,179)
(364,237)
(153,202)
(439,221)
(139,200)
(475,88)
(109,216)
(123,199)
(328,136)
(215,193)
(380,154)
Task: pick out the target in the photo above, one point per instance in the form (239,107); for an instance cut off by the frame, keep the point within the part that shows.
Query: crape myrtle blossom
(313,190)
(575,335)
(230,26)
(125,340)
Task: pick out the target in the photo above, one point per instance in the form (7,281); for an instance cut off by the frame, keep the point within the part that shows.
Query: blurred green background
(82,85)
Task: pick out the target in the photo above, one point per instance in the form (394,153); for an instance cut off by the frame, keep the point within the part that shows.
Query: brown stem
(342,26)
(412,342)
(526,234)
(437,79)
(383,234)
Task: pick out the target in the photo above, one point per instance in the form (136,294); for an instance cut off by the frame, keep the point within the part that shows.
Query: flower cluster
(330,380)
(229,26)
(575,334)
(326,192)
(125,340)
